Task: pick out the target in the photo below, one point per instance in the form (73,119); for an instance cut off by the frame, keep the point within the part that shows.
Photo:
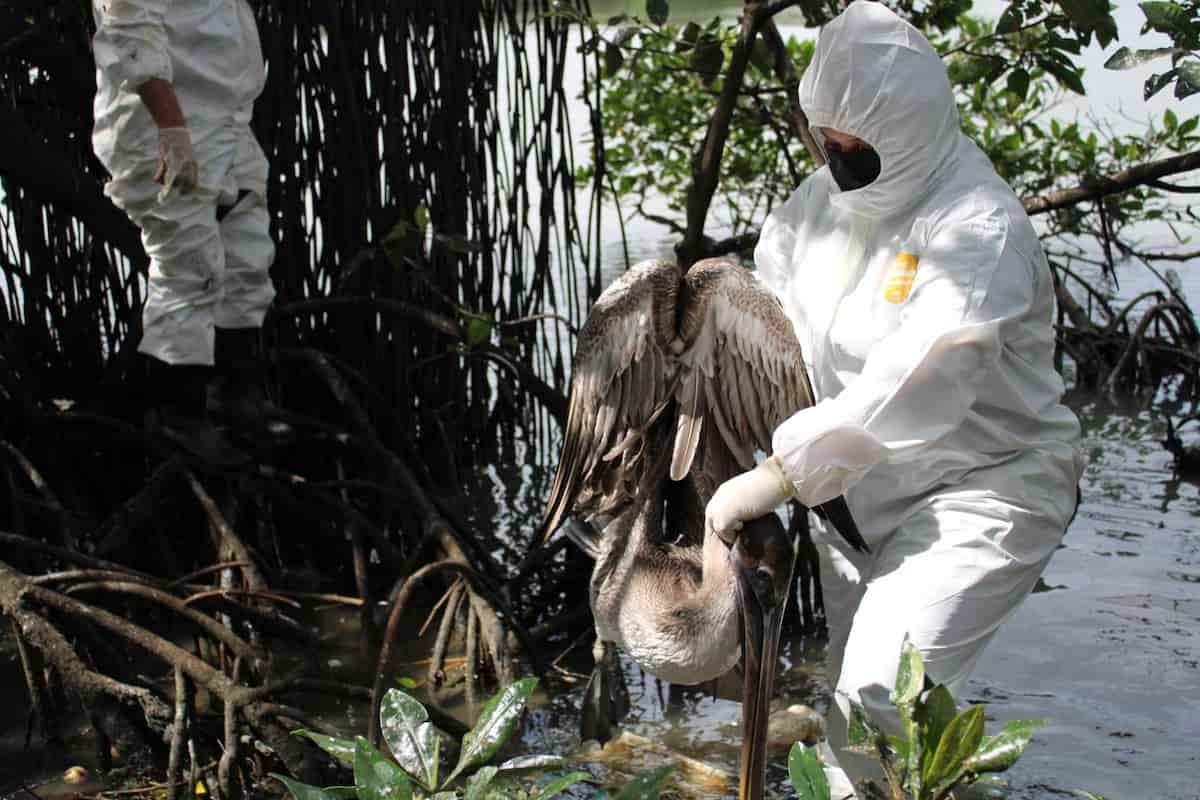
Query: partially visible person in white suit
(176,85)
(922,298)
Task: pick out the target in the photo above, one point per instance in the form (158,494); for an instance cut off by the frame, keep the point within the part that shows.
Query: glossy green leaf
(910,675)
(658,11)
(302,791)
(960,739)
(522,764)
(559,785)
(497,721)
(341,749)
(933,715)
(1188,82)
(808,777)
(477,784)
(1155,83)
(998,753)
(376,776)
(863,734)
(411,737)
(1165,17)
(1125,58)
(647,786)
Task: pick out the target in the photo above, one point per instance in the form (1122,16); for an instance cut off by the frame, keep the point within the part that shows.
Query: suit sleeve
(130,45)
(918,382)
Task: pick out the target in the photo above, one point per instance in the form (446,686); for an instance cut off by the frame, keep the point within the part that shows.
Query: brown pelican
(678,379)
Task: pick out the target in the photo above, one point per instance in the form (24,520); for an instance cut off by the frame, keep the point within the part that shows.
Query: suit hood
(876,77)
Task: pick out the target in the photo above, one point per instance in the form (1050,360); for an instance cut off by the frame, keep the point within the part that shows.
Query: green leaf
(658,11)
(1165,17)
(1018,82)
(1125,58)
(761,58)
(864,735)
(613,59)
(960,739)
(689,35)
(1067,76)
(522,764)
(647,786)
(1155,83)
(478,783)
(1011,20)
(405,682)
(625,34)
(341,749)
(376,776)
(496,723)
(411,737)
(557,786)
(910,675)
(808,777)
(1188,82)
(707,57)
(933,715)
(998,753)
(302,791)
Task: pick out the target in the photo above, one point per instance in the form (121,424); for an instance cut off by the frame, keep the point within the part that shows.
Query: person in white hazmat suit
(176,85)
(922,298)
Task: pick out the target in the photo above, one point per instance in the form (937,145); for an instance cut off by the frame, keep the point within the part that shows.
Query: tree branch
(707,166)
(1093,188)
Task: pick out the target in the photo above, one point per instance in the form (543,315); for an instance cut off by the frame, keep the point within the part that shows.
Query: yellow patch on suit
(897,285)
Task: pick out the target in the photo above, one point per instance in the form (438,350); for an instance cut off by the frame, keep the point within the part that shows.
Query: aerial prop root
(477,591)
(25,603)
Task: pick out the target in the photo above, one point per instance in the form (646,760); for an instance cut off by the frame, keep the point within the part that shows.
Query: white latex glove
(747,496)
(177,165)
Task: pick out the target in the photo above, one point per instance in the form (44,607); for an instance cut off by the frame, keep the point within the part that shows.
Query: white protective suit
(925,305)
(202,272)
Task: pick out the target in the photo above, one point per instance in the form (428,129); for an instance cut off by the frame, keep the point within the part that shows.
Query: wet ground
(1108,649)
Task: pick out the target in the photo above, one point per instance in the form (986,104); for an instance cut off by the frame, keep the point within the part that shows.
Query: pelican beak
(763,557)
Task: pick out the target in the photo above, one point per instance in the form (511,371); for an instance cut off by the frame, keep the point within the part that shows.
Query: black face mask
(852,169)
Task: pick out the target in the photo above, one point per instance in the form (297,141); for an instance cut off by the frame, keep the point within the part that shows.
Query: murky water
(1107,649)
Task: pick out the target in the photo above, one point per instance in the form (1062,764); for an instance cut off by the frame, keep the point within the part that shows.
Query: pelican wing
(744,372)
(621,381)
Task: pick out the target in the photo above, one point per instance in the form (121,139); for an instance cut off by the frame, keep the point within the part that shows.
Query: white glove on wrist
(177,165)
(747,496)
